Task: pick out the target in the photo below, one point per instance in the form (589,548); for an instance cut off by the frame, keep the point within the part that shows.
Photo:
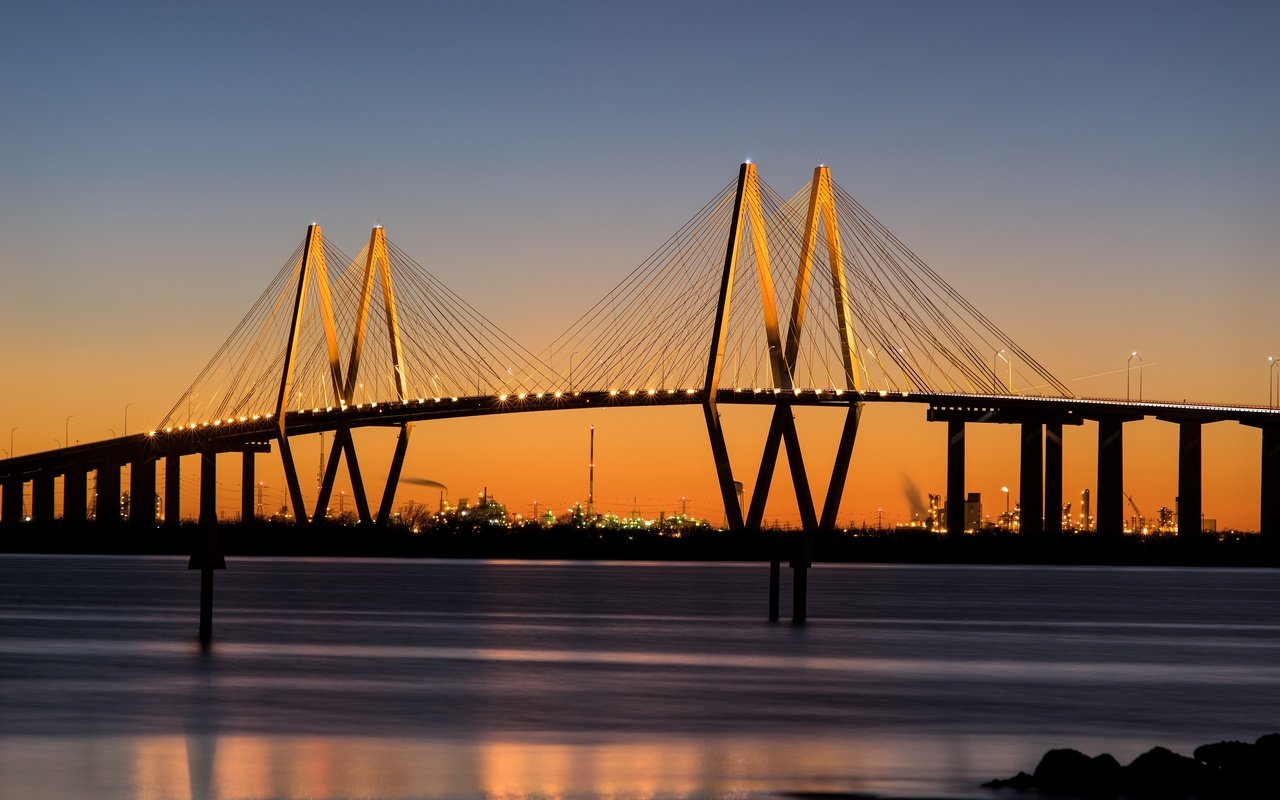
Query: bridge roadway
(1041,420)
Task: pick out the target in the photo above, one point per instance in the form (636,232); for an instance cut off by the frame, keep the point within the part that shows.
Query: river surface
(352,678)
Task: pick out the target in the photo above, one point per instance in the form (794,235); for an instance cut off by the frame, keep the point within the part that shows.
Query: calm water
(424,679)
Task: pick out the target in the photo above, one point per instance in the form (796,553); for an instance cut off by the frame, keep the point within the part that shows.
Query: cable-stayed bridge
(760,298)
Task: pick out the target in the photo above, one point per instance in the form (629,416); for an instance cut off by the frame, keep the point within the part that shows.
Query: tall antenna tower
(320,466)
(591,476)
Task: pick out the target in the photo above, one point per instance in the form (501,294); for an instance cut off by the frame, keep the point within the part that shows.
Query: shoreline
(568,543)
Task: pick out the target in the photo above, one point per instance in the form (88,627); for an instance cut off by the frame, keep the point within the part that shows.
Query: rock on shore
(1221,770)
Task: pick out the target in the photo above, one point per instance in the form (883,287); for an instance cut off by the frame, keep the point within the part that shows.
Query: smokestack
(912,493)
(591,476)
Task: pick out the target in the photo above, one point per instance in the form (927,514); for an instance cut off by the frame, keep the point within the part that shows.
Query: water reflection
(203,766)
(443,680)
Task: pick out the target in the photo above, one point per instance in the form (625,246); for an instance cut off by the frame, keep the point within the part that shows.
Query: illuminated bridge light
(652,392)
(502,397)
(558,395)
(631,392)
(613,392)
(521,396)
(688,391)
(538,396)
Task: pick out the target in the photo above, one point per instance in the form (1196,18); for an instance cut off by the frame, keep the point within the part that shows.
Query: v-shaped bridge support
(822,211)
(748,211)
(782,429)
(377,263)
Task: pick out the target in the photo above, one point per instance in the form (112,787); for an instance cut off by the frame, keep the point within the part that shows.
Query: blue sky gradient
(1097,177)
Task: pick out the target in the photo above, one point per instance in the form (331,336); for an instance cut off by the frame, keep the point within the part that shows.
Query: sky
(1098,178)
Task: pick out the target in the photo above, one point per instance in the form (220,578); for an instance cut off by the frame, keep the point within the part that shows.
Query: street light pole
(1127,368)
(1271,382)
(126,418)
(995,363)
(12,452)
(66,430)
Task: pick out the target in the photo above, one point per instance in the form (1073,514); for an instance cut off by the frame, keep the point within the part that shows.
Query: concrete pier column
(42,497)
(13,511)
(1110,477)
(247,484)
(142,493)
(207,555)
(172,490)
(775,585)
(800,593)
(75,484)
(1190,479)
(1031,480)
(208,488)
(1271,483)
(955,477)
(800,580)
(1053,478)
(108,495)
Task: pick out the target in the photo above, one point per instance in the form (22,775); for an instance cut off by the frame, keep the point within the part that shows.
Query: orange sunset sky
(1097,181)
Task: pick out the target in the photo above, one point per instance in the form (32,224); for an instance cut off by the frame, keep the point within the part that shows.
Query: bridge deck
(237,434)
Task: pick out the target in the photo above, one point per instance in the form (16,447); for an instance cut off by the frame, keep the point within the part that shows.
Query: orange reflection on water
(201,766)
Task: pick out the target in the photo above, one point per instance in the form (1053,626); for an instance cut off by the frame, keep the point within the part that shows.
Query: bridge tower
(748,212)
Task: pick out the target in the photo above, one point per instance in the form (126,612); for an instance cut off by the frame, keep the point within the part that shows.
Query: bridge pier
(42,497)
(75,483)
(208,488)
(775,585)
(207,555)
(1031,477)
(799,593)
(1053,478)
(1190,479)
(955,477)
(1110,476)
(142,493)
(800,579)
(13,511)
(1270,511)
(107,507)
(172,490)
(247,486)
